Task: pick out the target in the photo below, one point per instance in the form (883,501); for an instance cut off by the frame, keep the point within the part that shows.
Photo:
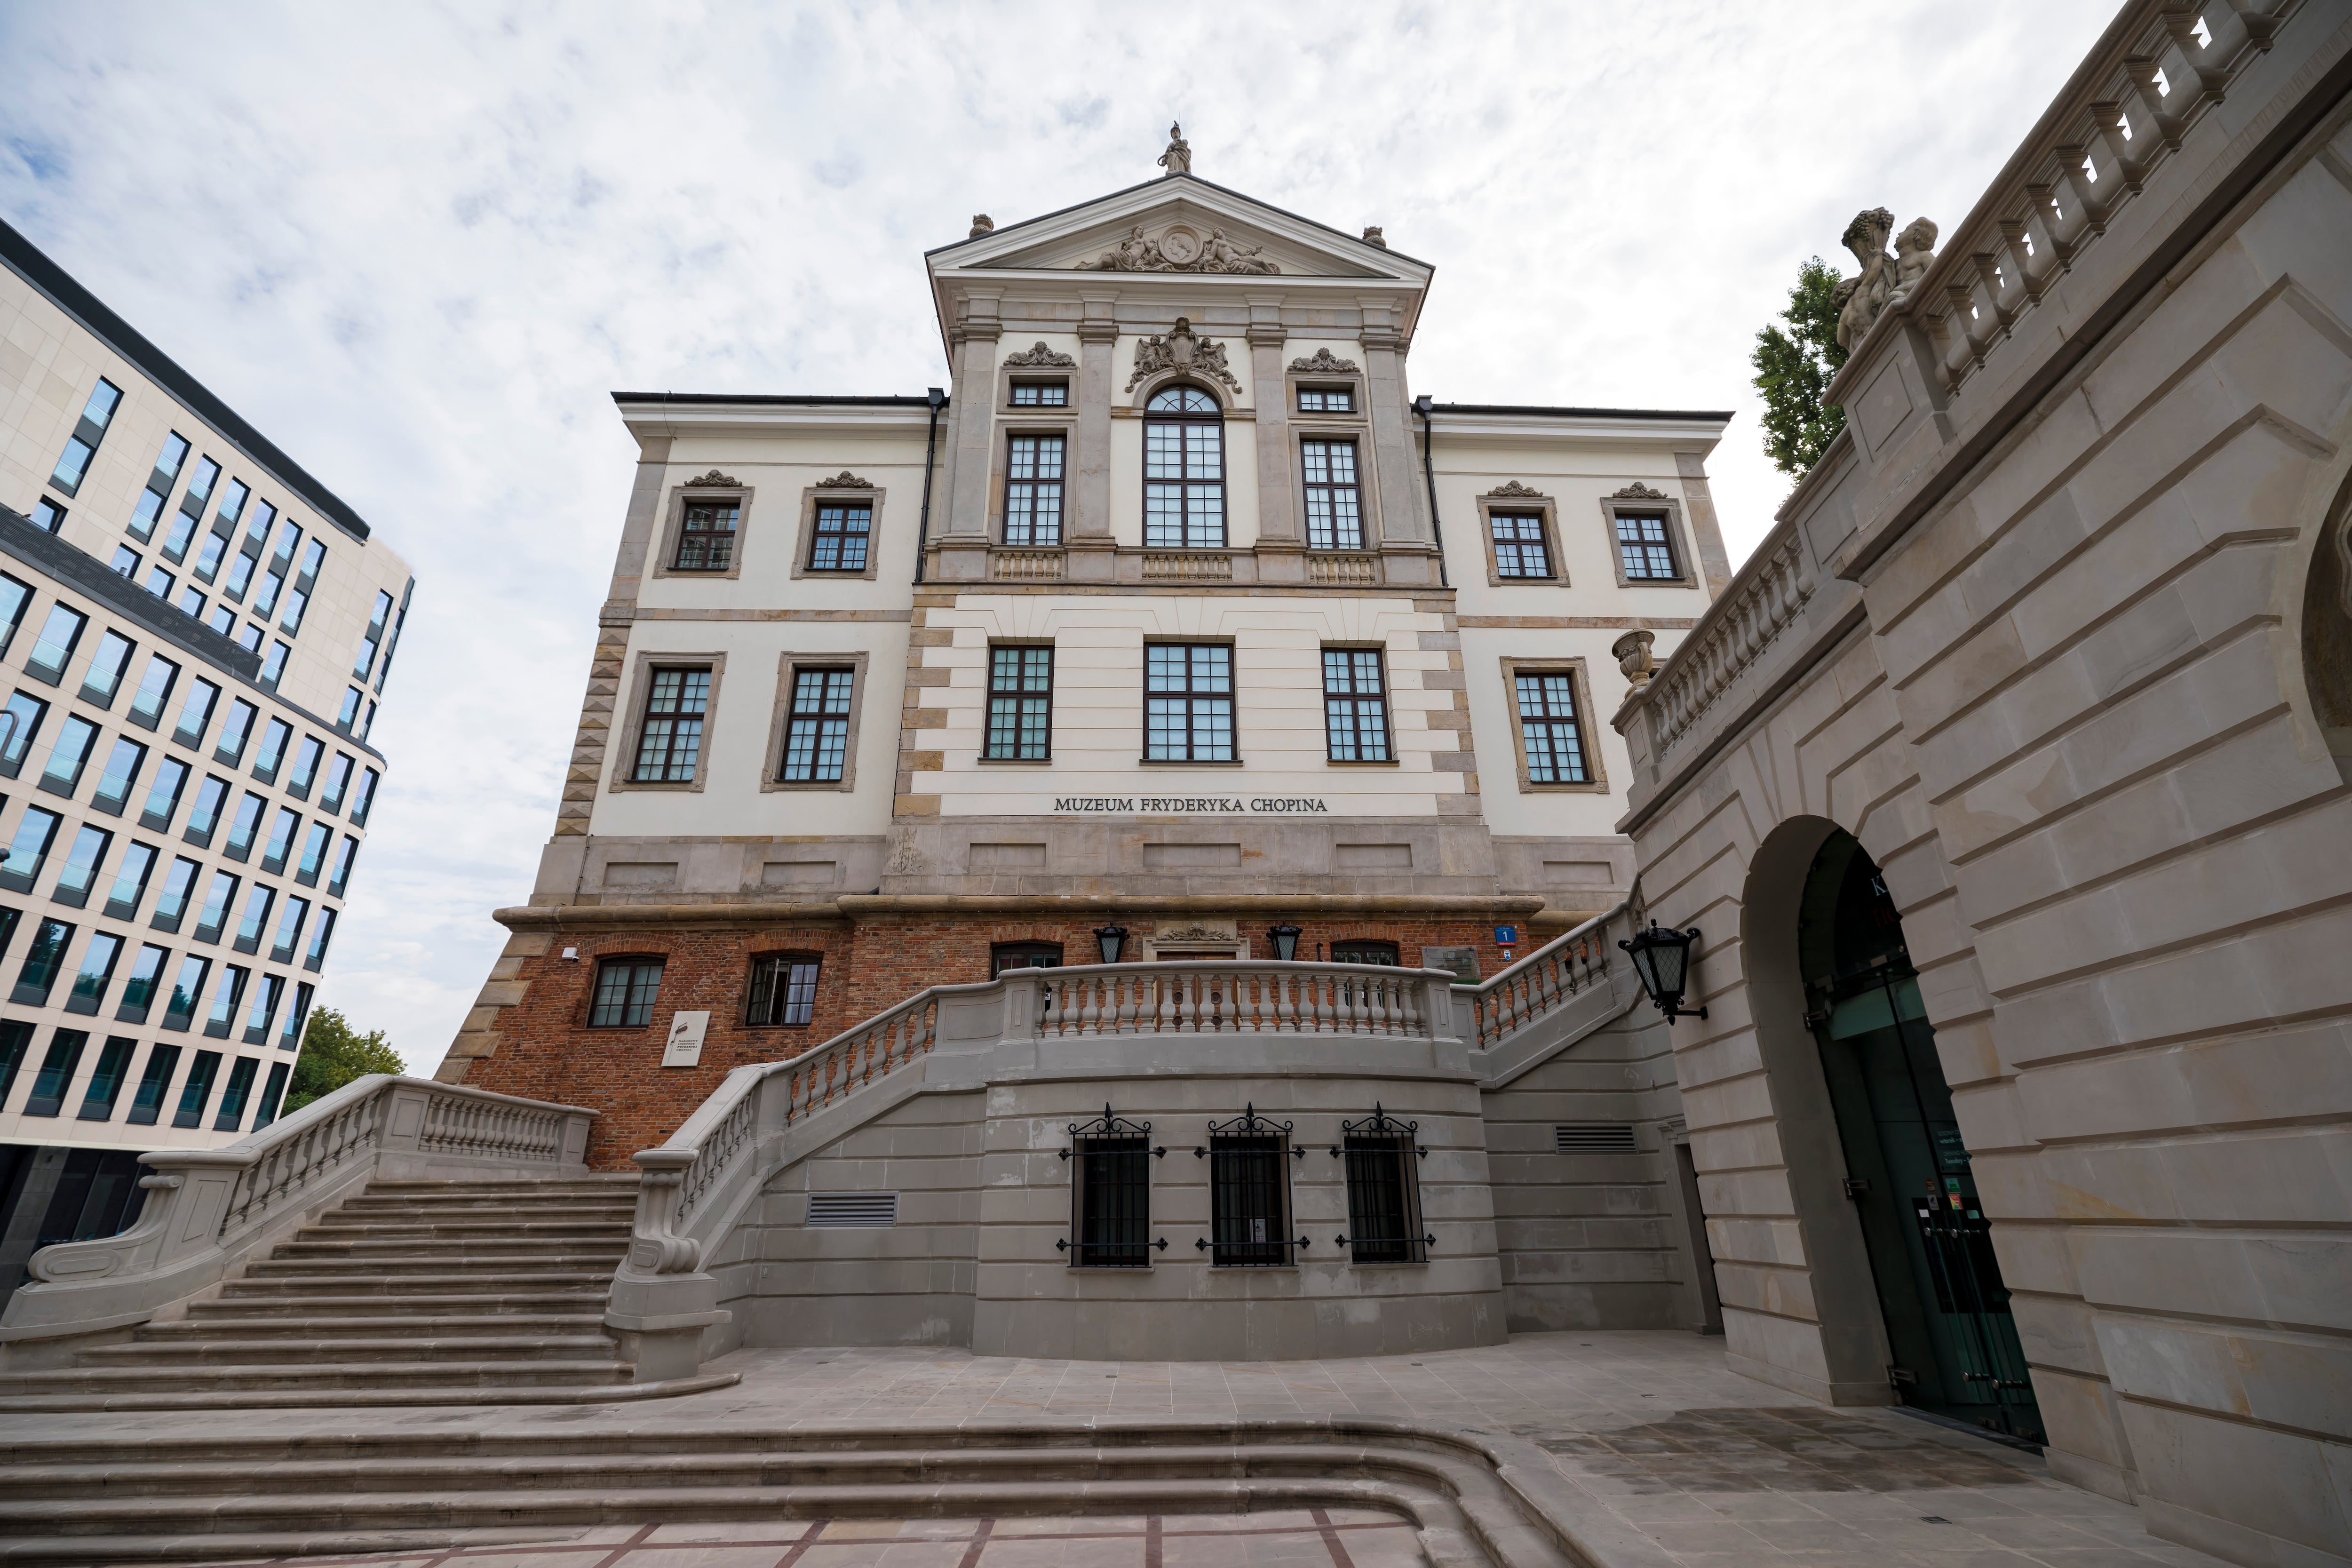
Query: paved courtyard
(1650,1431)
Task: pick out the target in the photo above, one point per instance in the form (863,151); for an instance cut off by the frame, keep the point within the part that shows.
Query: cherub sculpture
(1915,252)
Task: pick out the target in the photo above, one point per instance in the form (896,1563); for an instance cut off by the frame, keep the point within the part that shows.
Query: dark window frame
(778,994)
(1250,1212)
(1382,1156)
(809,713)
(1014,704)
(841,535)
(1351,704)
(1191,697)
(1030,494)
(677,747)
(1110,1194)
(1009,955)
(1186,420)
(609,1008)
(1331,492)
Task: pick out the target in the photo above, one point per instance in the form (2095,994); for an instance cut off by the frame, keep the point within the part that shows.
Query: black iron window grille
(1335,513)
(1643,546)
(1110,1196)
(1249,1192)
(1519,549)
(1547,727)
(1383,1190)
(705,541)
(1032,491)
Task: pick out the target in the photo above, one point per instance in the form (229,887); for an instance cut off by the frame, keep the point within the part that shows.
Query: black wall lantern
(1662,958)
(1286,941)
(1112,939)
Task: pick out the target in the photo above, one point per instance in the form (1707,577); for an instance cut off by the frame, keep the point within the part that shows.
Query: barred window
(1187,704)
(1335,518)
(817,732)
(1020,704)
(843,529)
(1249,1187)
(671,743)
(1519,549)
(1032,491)
(626,988)
(1548,728)
(1041,394)
(1383,1198)
(707,541)
(1183,471)
(1643,546)
(783,989)
(1355,705)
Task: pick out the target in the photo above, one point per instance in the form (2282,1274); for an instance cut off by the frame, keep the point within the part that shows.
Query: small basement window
(847,1211)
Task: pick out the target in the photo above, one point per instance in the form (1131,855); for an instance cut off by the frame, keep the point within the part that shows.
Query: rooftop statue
(1178,159)
(1885,279)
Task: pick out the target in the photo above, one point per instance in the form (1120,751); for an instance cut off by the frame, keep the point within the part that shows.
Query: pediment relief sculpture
(1039,355)
(1324,363)
(1637,490)
(1181,351)
(716,480)
(1885,279)
(845,481)
(1514,489)
(1179,248)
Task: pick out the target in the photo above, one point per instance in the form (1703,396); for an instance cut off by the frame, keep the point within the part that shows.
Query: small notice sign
(1506,936)
(684,1048)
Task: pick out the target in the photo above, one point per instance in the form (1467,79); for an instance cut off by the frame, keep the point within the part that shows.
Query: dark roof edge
(52,557)
(33,265)
(1161,179)
(1695,415)
(787,399)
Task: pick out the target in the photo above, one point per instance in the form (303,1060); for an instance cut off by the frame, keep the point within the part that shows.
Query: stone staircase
(414,1292)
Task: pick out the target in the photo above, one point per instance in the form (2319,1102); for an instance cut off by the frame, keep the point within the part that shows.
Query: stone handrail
(1769,593)
(208,1208)
(1238,996)
(1547,978)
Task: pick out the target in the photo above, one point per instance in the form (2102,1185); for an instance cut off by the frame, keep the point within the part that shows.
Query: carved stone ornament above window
(1040,355)
(1322,363)
(1513,487)
(845,481)
(1180,249)
(1181,351)
(714,479)
(1637,490)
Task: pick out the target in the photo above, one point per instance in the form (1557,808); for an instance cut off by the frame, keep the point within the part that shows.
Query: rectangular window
(348,713)
(267,1112)
(187,987)
(129,887)
(198,1090)
(626,988)
(26,852)
(342,878)
(1383,1192)
(195,713)
(783,989)
(223,620)
(120,776)
(43,959)
(1326,400)
(159,583)
(392,641)
(274,738)
(361,733)
(70,756)
(106,1079)
(817,728)
(363,662)
(314,854)
(125,562)
(235,731)
(843,532)
(49,1096)
(249,926)
(96,973)
(1183,485)
(706,542)
(139,990)
(671,742)
(80,868)
(1249,1193)
(89,430)
(1335,514)
(339,778)
(248,636)
(1520,550)
(218,901)
(179,887)
(273,583)
(233,1098)
(59,633)
(191,514)
(158,493)
(103,679)
(281,843)
(15,1039)
(191,603)
(225,999)
(208,558)
(154,1084)
(298,602)
(1110,1160)
(1005,955)
(1020,704)
(290,1037)
(364,801)
(163,795)
(1547,727)
(273,668)
(322,932)
(15,597)
(240,577)
(23,721)
(289,930)
(154,691)
(306,758)
(245,826)
(1355,705)
(48,516)
(1644,549)
(264,1012)
(1041,394)
(1032,491)
(1188,702)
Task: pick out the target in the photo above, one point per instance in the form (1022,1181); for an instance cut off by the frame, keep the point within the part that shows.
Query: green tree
(1792,368)
(333,1054)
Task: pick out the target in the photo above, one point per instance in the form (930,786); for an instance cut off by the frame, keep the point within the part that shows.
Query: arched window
(1183,470)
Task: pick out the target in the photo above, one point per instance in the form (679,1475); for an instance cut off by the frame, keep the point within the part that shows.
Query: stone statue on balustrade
(1885,278)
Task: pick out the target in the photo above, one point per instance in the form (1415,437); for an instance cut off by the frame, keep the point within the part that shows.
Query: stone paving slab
(1647,1430)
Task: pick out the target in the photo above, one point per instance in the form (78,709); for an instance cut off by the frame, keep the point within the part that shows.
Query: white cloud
(418,247)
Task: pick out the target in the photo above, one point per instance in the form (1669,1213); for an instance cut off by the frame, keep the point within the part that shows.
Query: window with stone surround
(1551,739)
(1188,702)
(1020,704)
(1520,549)
(1041,393)
(783,989)
(706,536)
(625,989)
(1033,490)
(1355,706)
(842,532)
(1183,470)
(1326,400)
(817,727)
(1334,510)
(669,745)
(1645,551)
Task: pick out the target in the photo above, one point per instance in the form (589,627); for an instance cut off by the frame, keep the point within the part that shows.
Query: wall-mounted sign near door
(1506,936)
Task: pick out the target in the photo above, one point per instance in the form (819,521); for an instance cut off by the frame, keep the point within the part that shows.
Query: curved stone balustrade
(1238,997)
(1769,593)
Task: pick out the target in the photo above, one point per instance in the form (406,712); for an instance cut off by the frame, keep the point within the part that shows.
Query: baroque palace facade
(1181,618)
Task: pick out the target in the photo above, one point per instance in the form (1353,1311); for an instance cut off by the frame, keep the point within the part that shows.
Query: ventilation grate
(1594,1138)
(843,1209)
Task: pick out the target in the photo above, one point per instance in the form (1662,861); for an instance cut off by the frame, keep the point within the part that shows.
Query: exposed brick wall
(545,1049)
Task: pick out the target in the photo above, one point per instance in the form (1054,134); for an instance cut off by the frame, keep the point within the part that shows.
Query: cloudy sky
(418,245)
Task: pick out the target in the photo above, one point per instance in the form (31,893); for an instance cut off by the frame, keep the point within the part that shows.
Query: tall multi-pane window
(1033,490)
(1520,550)
(190,515)
(60,634)
(706,538)
(1644,549)
(626,988)
(154,691)
(671,742)
(1548,728)
(1183,471)
(1188,702)
(89,430)
(1355,705)
(364,661)
(783,989)
(1020,704)
(26,711)
(1335,513)
(158,493)
(817,727)
(843,529)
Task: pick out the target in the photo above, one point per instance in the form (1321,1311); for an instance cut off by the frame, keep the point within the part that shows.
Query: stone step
(316,1326)
(293,1286)
(290,1304)
(430,1342)
(260,1546)
(339,1264)
(215,1397)
(486,1213)
(492,1242)
(568,1186)
(338,1376)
